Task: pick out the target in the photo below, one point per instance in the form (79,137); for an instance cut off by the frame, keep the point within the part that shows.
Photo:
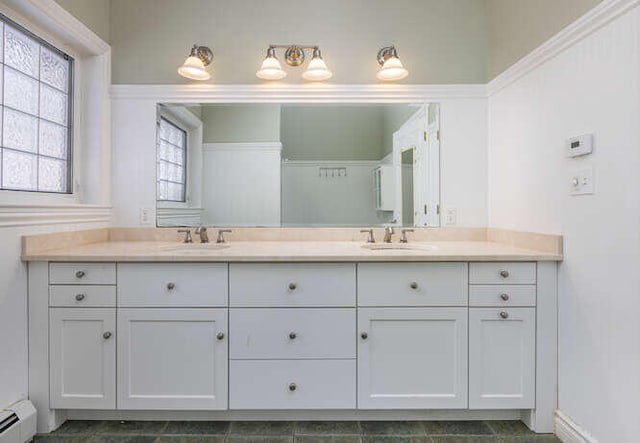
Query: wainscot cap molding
(34,215)
(596,18)
(269,93)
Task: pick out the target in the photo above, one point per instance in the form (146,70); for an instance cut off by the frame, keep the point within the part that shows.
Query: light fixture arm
(203,53)
(294,55)
(386,53)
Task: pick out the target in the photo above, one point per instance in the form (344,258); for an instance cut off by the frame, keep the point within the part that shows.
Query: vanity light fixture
(194,67)
(392,68)
(294,56)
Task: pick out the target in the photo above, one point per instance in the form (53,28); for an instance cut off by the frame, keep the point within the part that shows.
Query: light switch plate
(450,216)
(582,181)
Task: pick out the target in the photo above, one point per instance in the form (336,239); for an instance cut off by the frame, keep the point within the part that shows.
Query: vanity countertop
(289,251)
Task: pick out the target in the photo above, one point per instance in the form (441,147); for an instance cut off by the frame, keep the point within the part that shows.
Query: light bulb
(317,70)
(194,69)
(271,68)
(392,69)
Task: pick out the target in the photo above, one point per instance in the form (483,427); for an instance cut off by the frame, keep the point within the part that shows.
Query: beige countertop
(287,251)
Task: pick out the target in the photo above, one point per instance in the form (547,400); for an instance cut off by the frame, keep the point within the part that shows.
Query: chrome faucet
(202,232)
(388,232)
(221,232)
(187,236)
(370,237)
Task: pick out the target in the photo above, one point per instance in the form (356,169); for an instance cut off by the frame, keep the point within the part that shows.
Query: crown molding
(590,22)
(270,93)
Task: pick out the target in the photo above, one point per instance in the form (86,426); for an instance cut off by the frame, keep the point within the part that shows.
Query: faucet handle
(221,233)
(370,237)
(187,236)
(403,239)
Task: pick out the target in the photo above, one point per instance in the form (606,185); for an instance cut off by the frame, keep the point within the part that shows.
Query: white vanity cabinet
(83,358)
(172,336)
(412,358)
(502,335)
(82,335)
(172,358)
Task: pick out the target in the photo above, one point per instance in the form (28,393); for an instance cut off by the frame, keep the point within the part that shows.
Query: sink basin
(195,248)
(398,247)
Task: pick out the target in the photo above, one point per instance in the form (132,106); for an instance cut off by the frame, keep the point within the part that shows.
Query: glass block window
(36,109)
(171,161)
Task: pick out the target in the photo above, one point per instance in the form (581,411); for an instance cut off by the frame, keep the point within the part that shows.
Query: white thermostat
(580,145)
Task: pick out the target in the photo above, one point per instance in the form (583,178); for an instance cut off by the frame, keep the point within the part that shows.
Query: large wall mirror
(298,165)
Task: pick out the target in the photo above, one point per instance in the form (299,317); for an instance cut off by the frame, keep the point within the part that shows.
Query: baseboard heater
(18,423)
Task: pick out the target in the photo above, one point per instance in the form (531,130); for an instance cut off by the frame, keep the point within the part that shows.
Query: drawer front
(292,285)
(292,384)
(82,273)
(412,284)
(502,295)
(85,296)
(292,333)
(183,285)
(502,273)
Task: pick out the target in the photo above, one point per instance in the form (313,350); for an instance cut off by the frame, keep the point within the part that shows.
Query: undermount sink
(196,247)
(398,247)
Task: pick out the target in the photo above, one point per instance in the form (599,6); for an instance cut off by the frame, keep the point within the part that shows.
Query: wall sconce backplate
(294,56)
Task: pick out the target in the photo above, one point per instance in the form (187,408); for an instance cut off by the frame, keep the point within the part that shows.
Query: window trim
(71,96)
(185,159)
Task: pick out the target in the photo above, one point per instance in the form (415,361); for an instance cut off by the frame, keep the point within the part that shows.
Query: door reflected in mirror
(298,165)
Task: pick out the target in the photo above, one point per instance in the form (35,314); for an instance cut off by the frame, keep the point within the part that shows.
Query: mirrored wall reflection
(291,165)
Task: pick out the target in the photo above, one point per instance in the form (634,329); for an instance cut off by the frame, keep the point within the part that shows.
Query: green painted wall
(238,123)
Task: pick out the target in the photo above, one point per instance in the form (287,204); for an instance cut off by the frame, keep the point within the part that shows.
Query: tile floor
(303,432)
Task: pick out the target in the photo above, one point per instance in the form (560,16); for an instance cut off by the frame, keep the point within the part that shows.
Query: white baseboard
(570,432)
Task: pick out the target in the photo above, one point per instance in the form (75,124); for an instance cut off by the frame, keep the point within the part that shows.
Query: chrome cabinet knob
(364,335)
(292,335)
(504,274)
(80,274)
(414,285)
(504,297)
(292,286)
(504,314)
(171,286)
(292,387)
(106,335)
(80,297)
(220,335)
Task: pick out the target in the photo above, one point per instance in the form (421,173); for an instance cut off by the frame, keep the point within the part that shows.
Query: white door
(82,346)
(172,358)
(412,358)
(501,358)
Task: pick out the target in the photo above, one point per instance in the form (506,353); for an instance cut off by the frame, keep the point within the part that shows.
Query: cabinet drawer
(292,285)
(502,295)
(499,273)
(412,284)
(292,384)
(82,273)
(82,296)
(172,285)
(292,333)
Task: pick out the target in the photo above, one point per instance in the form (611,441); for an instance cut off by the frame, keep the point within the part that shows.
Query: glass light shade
(317,70)
(193,68)
(391,70)
(271,69)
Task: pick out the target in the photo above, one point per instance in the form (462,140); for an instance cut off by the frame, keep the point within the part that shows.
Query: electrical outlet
(450,216)
(144,216)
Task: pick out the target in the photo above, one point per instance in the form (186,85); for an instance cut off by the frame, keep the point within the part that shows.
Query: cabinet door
(83,358)
(501,358)
(172,358)
(412,358)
